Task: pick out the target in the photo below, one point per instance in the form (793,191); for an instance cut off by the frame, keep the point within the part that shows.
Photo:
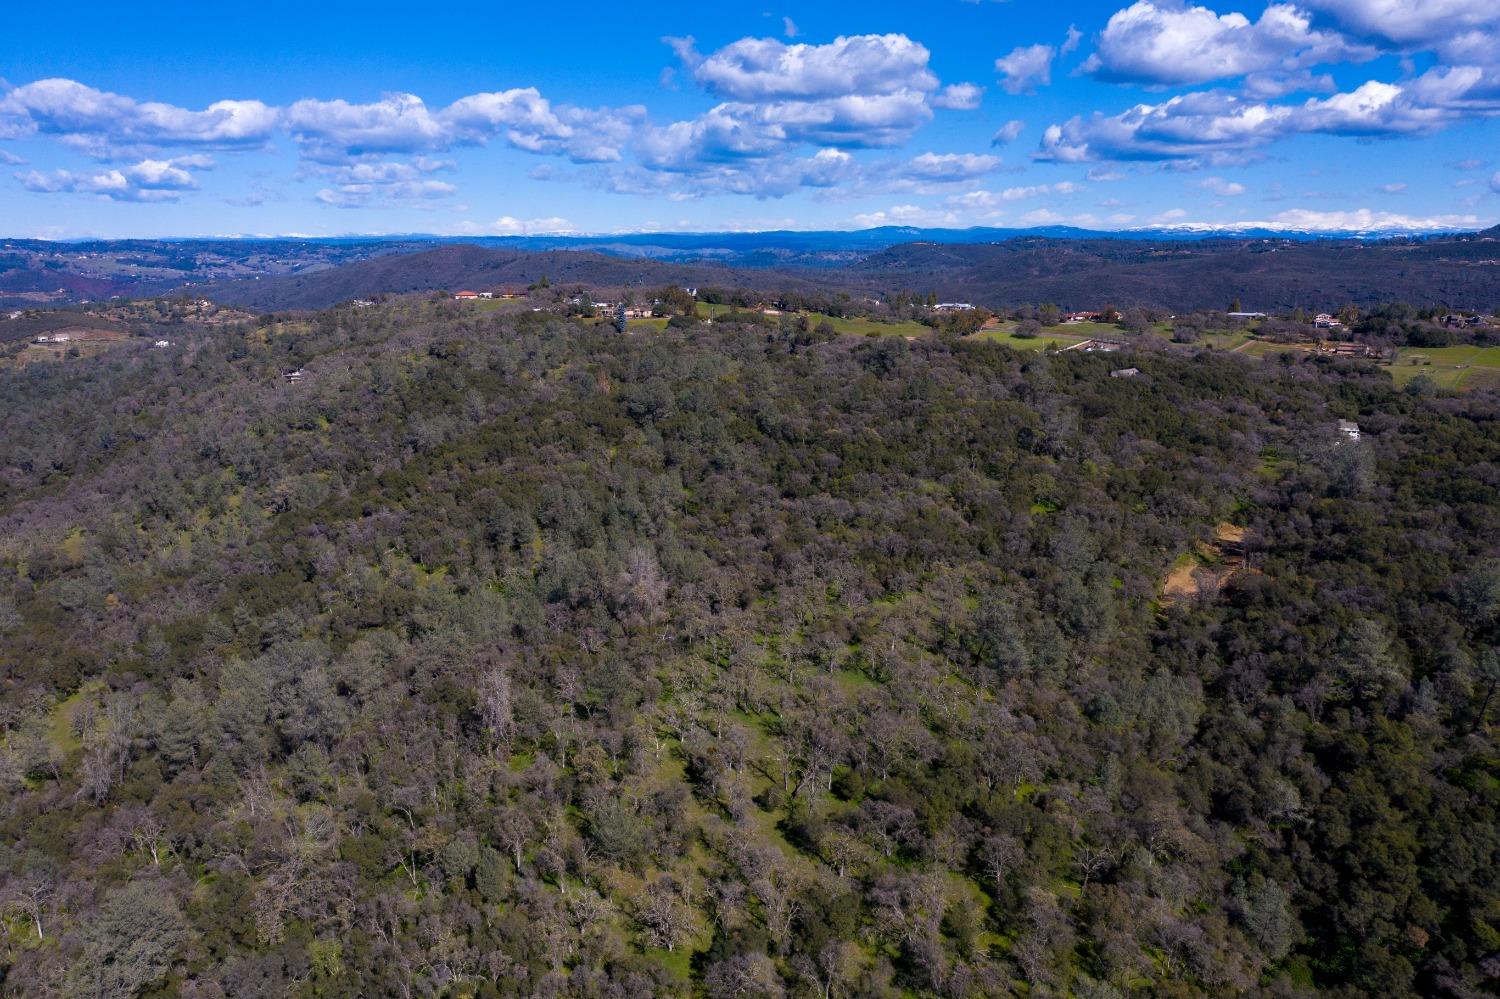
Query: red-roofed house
(463,296)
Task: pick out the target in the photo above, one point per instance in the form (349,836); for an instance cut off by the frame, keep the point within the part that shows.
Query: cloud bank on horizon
(1328,115)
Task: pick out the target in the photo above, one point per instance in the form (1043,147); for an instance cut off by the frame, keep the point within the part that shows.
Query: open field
(1450,367)
(854,326)
(1227,340)
(1047,340)
(81,342)
(869,327)
(1082,331)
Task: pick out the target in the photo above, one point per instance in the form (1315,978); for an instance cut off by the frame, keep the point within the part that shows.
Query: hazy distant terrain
(1071,268)
(452,268)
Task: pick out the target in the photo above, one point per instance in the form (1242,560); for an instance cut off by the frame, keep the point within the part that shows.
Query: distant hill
(810,247)
(1268,275)
(1074,273)
(1187,267)
(463,266)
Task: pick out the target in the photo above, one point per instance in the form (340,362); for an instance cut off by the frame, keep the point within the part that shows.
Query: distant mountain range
(1179,268)
(450,268)
(1264,274)
(834,248)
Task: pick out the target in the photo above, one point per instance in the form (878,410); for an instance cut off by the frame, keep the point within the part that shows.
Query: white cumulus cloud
(148,180)
(1223,188)
(1008,133)
(1026,68)
(767,69)
(1162,43)
(959,97)
(105,123)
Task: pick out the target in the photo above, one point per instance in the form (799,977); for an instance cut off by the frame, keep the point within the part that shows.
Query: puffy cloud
(766,177)
(739,132)
(1218,125)
(905,215)
(1041,216)
(357,195)
(1459,31)
(1008,133)
(508,225)
(365,182)
(528,121)
(1410,23)
(856,92)
(951,167)
(335,130)
(1363,220)
(987,203)
(1223,188)
(1374,108)
(1181,128)
(959,97)
(1169,45)
(853,121)
(1392,188)
(1038,190)
(1026,68)
(725,133)
(149,180)
(104,123)
(1463,89)
(1270,86)
(766,69)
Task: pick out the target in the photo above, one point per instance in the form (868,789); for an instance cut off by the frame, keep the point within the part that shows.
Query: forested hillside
(1266,275)
(500,656)
(450,268)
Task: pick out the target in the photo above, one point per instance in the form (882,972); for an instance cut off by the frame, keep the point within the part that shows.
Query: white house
(1349,429)
(162,344)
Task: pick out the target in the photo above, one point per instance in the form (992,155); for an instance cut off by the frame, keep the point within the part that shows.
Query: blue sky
(331,118)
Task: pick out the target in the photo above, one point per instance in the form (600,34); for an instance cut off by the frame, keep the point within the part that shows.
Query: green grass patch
(1227,341)
(1265,348)
(1047,341)
(859,326)
(1451,368)
(1083,331)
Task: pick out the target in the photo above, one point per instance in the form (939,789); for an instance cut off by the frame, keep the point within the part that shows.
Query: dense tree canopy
(504,656)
